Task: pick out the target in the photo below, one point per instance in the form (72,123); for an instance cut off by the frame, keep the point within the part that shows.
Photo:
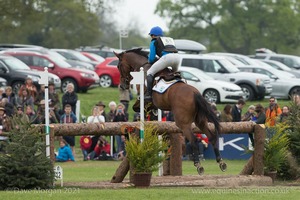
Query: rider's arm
(152,54)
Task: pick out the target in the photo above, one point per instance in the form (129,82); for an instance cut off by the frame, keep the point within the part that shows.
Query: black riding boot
(148,94)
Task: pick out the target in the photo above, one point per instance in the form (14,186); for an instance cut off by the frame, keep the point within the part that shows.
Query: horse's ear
(118,55)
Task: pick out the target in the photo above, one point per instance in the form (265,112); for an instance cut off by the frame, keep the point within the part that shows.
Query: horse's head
(130,61)
(124,69)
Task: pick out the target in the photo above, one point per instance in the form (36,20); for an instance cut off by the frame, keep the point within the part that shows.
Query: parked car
(82,79)
(101,51)
(42,50)
(283,87)
(214,91)
(241,58)
(16,72)
(254,87)
(15,46)
(289,60)
(264,65)
(280,66)
(75,55)
(3,82)
(245,60)
(108,72)
(93,56)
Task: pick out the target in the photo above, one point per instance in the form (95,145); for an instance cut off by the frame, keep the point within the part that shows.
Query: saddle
(168,75)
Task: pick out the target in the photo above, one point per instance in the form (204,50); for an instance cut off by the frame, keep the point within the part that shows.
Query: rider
(164,48)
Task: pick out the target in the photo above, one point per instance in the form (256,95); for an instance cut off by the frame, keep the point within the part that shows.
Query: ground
(212,181)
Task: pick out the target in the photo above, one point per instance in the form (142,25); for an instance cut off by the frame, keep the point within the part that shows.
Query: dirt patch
(211,181)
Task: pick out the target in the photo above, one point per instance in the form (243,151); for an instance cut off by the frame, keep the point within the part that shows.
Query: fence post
(52,144)
(258,155)
(176,153)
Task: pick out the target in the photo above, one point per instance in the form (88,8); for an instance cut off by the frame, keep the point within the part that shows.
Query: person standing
(96,117)
(226,114)
(284,115)
(259,118)
(67,118)
(25,99)
(112,111)
(120,117)
(70,97)
(164,48)
(249,114)
(12,98)
(40,116)
(237,111)
(124,97)
(32,90)
(101,109)
(272,113)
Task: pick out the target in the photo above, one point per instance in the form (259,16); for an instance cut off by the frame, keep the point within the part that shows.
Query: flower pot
(142,179)
(271,174)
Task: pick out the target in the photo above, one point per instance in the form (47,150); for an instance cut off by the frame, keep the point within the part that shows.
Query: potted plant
(144,157)
(276,150)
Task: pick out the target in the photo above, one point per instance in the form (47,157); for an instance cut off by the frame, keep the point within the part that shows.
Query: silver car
(283,86)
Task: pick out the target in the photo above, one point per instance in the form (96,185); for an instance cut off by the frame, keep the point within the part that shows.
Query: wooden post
(166,167)
(176,153)
(248,168)
(121,171)
(258,155)
(52,144)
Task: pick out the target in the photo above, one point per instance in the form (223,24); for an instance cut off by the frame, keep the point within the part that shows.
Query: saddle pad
(163,85)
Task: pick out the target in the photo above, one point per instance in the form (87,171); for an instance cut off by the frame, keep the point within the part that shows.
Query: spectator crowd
(29,103)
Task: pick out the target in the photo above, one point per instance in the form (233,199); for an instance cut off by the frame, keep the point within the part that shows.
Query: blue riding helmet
(157,31)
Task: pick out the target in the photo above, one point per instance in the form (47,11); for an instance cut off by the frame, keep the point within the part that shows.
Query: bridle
(131,69)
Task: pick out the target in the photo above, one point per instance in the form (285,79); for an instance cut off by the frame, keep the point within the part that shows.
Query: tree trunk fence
(173,166)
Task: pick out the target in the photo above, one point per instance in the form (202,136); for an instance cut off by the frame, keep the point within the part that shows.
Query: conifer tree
(24,164)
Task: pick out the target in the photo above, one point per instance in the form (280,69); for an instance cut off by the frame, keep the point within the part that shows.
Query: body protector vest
(165,44)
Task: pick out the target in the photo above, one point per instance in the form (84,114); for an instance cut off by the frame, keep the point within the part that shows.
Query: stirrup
(147,97)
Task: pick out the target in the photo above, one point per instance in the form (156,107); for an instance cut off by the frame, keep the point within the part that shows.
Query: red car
(108,72)
(93,56)
(82,79)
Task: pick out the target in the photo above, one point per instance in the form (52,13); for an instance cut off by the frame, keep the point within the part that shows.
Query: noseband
(133,69)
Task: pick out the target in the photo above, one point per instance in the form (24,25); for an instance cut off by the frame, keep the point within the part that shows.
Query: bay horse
(185,101)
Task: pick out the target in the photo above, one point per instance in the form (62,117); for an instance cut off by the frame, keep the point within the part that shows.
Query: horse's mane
(138,51)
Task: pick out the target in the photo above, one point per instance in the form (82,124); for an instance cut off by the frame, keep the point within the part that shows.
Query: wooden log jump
(114,128)
(175,164)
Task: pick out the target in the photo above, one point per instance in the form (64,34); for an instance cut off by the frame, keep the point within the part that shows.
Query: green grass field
(91,171)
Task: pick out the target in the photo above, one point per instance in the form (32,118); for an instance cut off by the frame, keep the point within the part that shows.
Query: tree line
(237,26)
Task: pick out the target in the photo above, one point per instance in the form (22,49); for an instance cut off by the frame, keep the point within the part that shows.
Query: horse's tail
(205,113)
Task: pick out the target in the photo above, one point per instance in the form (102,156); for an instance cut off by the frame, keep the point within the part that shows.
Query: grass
(103,170)
(181,193)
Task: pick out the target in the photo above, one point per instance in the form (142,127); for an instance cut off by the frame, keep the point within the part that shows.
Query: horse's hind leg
(215,143)
(187,132)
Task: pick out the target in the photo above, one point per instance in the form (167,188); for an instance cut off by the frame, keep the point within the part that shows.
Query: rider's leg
(150,79)
(174,61)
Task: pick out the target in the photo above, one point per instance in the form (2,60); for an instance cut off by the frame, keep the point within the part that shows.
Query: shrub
(290,169)
(276,149)
(145,156)
(24,164)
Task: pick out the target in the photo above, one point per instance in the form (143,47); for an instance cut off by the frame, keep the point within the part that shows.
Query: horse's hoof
(200,170)
(223,166)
